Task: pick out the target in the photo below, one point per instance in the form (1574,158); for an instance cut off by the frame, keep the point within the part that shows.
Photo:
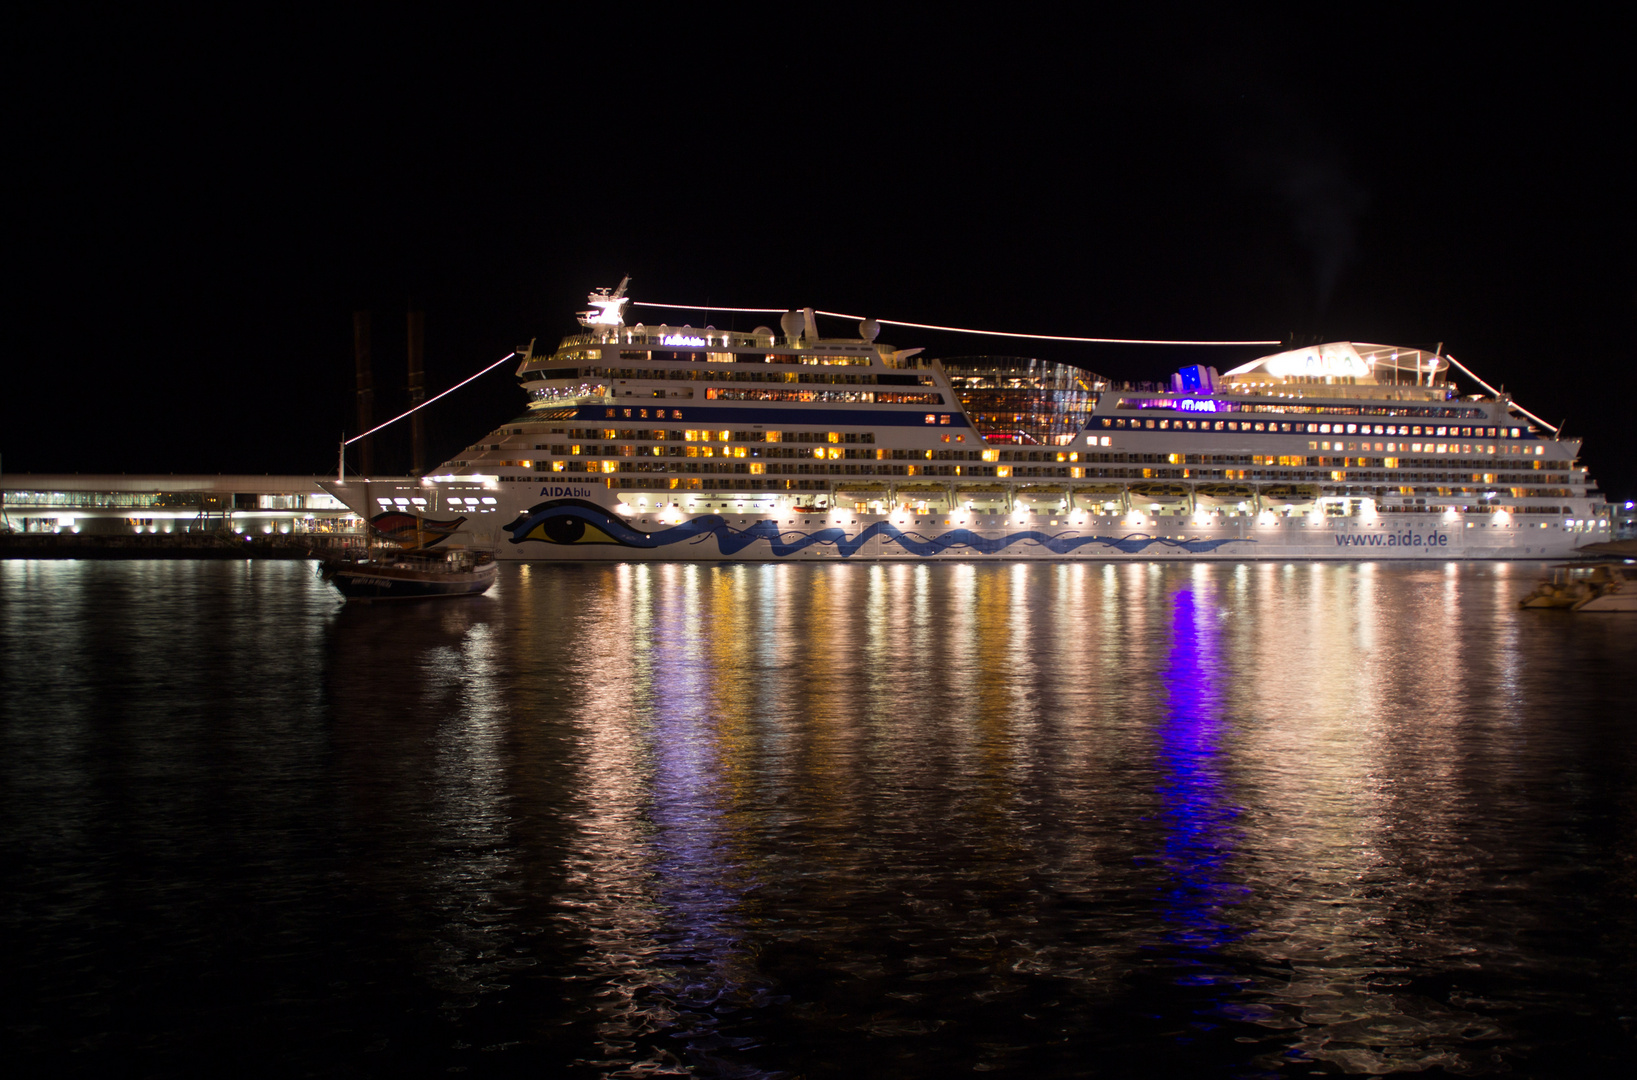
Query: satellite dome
(791,323)
(869,329)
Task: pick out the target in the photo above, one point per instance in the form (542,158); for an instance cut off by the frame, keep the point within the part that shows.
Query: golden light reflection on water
(760,820)
(1257,783)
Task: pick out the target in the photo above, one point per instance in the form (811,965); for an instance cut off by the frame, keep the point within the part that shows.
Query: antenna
(607,308)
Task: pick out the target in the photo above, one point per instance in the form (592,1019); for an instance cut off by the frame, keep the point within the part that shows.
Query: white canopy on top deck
(1347,359)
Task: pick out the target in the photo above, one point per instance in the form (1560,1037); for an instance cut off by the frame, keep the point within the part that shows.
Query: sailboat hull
(376,581)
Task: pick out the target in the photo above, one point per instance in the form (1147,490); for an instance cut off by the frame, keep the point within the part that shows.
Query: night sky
(199,206)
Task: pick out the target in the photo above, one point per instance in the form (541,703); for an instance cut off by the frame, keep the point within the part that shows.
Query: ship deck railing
(653,337)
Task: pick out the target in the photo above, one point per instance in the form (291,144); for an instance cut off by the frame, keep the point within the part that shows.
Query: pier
(114,516)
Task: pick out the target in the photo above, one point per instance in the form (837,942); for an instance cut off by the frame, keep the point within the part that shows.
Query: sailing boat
(403,562)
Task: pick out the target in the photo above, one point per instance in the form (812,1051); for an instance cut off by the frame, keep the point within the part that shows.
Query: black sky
(199,207)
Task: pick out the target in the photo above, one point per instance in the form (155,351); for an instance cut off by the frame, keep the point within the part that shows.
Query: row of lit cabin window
(818,452)
(1273,428)
(723,375)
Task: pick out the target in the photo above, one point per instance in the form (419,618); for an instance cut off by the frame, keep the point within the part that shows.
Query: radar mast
(607,307)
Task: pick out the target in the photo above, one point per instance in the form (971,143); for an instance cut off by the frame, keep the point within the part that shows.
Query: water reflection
(663,873)
(1352,762)
(750,820)
(1199,817)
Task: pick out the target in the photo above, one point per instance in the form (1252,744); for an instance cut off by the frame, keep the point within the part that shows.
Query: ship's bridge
(1342,362)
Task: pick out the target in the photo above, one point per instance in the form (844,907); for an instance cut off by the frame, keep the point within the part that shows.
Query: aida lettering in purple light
(1186,404)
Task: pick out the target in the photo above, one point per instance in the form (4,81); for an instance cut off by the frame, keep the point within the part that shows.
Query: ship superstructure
(680,443)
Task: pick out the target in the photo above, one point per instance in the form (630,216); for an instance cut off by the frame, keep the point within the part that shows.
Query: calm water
(743,821)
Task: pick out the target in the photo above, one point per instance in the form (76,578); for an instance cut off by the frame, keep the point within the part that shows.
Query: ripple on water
(747,820)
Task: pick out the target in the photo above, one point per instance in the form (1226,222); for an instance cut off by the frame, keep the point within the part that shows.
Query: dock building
(116,504)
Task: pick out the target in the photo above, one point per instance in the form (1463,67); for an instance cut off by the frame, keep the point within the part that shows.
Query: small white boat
(1585,587)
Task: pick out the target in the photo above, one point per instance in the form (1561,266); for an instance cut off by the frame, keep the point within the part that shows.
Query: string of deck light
(430,400)
(958,329)
(1473,375)
(916,326)
(1054,337)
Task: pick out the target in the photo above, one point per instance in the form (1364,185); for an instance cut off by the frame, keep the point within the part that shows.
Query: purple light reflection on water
(1197,814)
(688,839)
(632,820)
(698,881)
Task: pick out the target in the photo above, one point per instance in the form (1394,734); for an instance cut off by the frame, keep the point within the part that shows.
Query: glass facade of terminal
(125,504)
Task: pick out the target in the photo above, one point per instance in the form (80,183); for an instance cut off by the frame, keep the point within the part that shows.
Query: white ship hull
(563,522)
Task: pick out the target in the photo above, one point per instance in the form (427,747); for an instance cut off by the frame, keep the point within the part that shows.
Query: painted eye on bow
(570,529)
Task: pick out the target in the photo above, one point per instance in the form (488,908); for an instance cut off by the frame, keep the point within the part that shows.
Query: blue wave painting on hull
(568,522)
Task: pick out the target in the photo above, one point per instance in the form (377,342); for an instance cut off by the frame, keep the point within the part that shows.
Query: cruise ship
(667,442)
